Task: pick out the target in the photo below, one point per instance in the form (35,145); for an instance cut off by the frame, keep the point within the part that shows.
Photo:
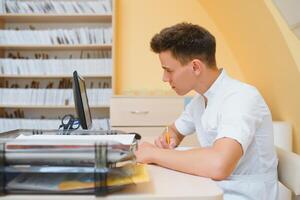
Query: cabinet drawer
(147,111)
(149,134)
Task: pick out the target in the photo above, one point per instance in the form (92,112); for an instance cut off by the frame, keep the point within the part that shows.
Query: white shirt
(236,110)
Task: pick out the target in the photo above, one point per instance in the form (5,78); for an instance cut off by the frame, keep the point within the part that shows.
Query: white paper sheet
(126,139)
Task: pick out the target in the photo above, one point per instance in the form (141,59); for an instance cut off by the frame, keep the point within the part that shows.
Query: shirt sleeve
(185,123)
(240,116)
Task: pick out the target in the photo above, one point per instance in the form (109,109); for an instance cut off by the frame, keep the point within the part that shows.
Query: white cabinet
(147,115)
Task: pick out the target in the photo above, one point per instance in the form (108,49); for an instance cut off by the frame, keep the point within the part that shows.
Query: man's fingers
(164,142)
(157,143)
(172,144)
(161,142)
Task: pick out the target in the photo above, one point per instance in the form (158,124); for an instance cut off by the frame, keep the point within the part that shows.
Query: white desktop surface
(164,184)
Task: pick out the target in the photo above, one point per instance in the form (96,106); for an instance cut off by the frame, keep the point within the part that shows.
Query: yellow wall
(264,56)
(137,68)
(251,43)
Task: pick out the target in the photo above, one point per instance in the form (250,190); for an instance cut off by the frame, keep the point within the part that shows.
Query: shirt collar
(216,85)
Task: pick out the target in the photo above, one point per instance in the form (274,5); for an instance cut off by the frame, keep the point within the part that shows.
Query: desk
(164,184)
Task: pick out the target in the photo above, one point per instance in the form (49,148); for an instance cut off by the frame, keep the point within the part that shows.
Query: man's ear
(198,66)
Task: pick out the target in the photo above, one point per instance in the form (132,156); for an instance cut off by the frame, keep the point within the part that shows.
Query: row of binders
(56,66)
(51,97)
(56,7)
(64,83)
(81,54)
(58,36)
(44,124)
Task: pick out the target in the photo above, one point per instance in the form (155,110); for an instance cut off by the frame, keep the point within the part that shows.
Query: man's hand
(161,142)
(174,138)
(145,153)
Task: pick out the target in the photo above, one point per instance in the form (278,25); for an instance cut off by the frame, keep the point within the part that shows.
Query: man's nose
(165,77)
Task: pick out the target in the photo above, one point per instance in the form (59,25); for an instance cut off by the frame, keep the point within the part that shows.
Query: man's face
(180,77)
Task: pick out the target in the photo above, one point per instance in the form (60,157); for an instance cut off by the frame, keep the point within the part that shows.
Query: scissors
(69,123)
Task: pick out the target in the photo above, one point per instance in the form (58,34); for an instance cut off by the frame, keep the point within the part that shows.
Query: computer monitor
(81,101)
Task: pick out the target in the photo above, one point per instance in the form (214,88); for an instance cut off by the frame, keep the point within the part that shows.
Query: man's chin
(180,93)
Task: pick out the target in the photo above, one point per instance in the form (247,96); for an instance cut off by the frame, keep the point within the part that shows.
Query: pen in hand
(167,135)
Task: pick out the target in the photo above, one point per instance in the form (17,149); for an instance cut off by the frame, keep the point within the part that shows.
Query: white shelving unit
(34,112)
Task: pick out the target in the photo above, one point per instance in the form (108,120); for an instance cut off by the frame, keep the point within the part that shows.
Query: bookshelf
(57,76)
(52,106)
(57,18)
(55,47)
(93,50)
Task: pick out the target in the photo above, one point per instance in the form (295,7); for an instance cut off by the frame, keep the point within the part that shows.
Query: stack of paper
(66,150)
(67,163)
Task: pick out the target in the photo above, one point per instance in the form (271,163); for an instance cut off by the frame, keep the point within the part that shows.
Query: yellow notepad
(140,175)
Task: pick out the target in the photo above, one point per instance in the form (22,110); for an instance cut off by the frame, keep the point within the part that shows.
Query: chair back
(289,171)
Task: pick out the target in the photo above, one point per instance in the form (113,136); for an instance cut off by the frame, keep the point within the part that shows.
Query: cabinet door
(149,134)
(145,111)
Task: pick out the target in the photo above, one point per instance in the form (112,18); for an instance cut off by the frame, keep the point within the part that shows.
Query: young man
(231,119)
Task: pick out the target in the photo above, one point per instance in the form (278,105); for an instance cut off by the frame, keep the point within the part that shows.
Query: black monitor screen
(81,101)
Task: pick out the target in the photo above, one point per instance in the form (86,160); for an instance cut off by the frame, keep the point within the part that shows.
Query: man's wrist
(154,155)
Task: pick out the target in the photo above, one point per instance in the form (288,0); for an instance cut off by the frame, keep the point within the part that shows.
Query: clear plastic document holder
(84,162)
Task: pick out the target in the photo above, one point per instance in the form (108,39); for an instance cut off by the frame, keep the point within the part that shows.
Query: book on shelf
(2,7)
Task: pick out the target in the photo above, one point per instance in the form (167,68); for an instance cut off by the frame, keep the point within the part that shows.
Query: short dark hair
(186,42)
